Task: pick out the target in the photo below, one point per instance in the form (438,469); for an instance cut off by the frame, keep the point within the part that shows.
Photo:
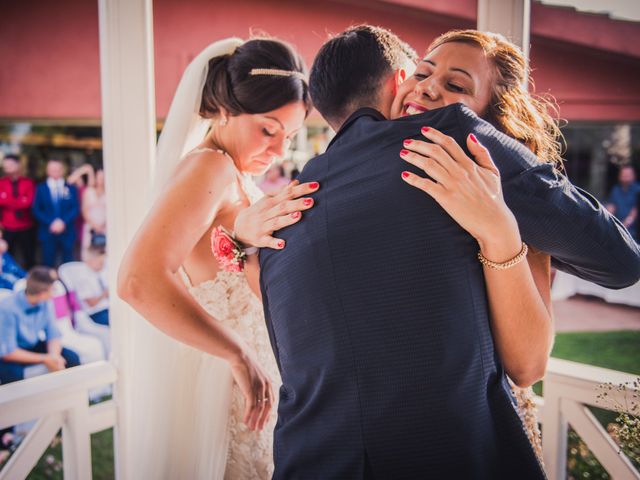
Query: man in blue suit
(377,310)
(56,206)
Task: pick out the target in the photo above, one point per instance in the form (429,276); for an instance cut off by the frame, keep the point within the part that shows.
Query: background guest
(93,291)
(83,178)
(274,180)
(28,334)
(16,198)
(623,199)
(56,207)
(10,271)
(290,169)
(94,211)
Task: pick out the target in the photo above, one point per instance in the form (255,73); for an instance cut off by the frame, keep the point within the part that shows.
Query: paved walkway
(590,314)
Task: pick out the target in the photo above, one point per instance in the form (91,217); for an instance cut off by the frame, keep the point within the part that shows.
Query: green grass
(618,350)
(49,467)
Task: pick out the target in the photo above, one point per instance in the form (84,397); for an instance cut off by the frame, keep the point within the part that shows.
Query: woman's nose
(279,147)
(428,88)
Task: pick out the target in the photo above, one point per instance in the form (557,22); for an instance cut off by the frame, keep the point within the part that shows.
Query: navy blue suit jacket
(46,211)
(378,315)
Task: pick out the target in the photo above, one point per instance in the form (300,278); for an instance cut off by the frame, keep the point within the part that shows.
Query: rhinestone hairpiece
(277,73)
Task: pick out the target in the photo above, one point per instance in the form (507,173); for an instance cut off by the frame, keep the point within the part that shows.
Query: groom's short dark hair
(350,68)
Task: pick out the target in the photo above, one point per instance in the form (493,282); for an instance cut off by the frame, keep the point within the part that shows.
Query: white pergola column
(129,138)
(511,18)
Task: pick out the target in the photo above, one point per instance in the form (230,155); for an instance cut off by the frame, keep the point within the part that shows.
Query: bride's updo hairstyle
(230,84)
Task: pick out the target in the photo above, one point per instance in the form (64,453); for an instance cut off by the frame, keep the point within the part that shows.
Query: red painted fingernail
(473,138)
(281,244)
(314,185)
(425,129)
(296,214)
(307,202)
(408,141)
(404,152)
(405,174)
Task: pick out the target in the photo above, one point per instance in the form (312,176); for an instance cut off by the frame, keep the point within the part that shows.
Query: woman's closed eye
(455,88)
(268,133)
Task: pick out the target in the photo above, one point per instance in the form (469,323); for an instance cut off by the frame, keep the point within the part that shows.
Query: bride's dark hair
(230,86)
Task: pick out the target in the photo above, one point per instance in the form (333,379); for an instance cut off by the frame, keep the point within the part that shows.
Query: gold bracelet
(504,265)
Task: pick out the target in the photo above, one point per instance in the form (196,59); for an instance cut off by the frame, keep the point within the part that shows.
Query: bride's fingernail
(296,214)
(404,152)
(281,244)
(307,202)
(407,142)
(405,174)
(425,129)
(314,185)
(473,138)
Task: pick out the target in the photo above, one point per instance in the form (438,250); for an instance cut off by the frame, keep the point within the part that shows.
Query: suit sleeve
(74,209)
(39,210)
(267,318)
(556,217)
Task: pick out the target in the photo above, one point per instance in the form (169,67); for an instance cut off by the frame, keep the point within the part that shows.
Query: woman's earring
(223,121)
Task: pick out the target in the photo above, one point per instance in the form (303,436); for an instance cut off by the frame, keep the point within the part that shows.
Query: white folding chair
(20,285)
(5,292)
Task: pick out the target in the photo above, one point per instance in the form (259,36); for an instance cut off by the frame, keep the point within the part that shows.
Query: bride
(209,415)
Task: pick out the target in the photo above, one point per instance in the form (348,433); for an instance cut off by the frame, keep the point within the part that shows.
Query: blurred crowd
(278,177)
(54,298)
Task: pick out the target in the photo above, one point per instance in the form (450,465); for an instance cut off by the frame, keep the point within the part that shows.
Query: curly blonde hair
(531,119)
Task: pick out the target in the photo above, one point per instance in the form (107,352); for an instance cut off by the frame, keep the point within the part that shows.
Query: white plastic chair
(20,285)
(5,292)
(73,274)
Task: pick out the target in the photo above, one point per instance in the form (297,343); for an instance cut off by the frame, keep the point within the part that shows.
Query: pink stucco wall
(50,55)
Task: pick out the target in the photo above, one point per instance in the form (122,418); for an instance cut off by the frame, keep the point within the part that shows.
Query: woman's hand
(468,191)
(256,388)
(255,224)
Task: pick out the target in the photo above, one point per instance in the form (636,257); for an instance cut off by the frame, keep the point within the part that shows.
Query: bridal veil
(177,392)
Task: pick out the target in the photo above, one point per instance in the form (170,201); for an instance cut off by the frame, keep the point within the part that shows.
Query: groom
(377,309)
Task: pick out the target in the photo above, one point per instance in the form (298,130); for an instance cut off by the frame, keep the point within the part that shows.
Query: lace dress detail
(529,415)
(229,299)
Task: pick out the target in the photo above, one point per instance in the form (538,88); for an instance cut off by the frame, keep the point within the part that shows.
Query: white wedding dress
(229,299)
(184,411)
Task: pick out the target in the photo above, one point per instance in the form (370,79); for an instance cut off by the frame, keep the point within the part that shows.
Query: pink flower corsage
(227,250)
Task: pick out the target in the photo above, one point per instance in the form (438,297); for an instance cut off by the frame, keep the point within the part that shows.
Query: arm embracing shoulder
(556,217)
(568,223)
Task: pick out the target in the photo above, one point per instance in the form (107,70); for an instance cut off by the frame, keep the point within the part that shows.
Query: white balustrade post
(129,138)
(76,440)
(511,18)
(554,431)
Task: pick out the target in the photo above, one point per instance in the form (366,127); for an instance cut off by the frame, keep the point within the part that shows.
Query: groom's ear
(399,77)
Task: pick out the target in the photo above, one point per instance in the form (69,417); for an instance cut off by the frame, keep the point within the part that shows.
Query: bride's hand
(256,387)
(255,224)
(470,192)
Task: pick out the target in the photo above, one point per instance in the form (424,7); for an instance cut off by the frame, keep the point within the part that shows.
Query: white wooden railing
(58,400)
(570,387)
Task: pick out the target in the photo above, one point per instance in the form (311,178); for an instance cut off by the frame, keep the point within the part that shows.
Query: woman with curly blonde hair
(489,74)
